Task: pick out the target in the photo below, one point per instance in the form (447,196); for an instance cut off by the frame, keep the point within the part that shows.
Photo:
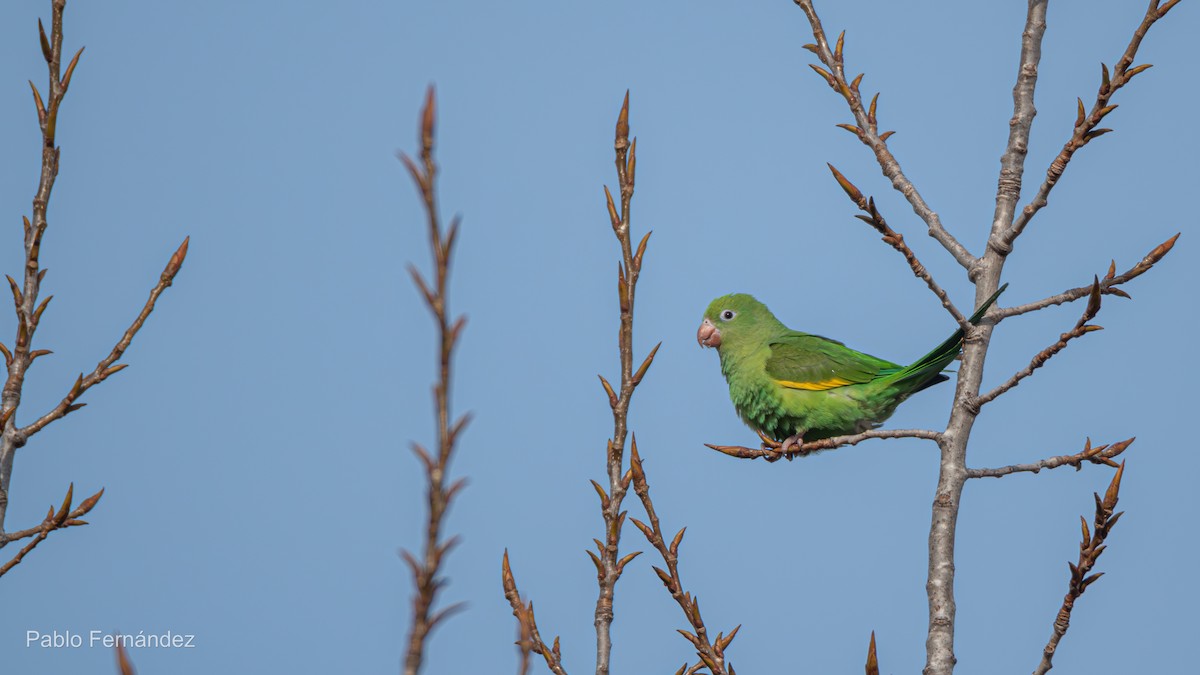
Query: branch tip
(46,51)
(66,79)
(1163,249)
(622,130)
(851,191)
(872,666)
(428,119)
(612,211)
(825,75)
(37,101)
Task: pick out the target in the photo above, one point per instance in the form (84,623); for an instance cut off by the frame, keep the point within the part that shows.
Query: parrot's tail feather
(927,370)
(978,315)
(937,379)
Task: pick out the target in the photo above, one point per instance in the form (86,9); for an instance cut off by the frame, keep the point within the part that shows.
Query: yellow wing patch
(815,386)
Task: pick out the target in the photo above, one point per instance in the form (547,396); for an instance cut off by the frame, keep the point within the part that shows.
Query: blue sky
(255,452)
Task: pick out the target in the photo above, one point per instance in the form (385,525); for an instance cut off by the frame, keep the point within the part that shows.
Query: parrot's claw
(769,447)
(792,441)
(773,450)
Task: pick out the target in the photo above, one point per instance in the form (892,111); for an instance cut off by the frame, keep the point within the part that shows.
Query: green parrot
(798,387)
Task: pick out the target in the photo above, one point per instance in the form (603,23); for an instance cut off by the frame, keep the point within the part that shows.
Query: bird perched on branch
(793,386)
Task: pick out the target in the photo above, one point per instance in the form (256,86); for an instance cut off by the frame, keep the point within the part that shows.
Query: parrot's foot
(773,450)
(795,440)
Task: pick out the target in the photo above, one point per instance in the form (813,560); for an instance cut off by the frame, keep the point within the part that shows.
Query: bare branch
(26,297)
(986,272)
(41,536)
(55,520)
(1085,125)
(524,639)
(770,449)
(896,241)
(953,472)
(1108,285)
(531,639)
(1012,162)
(710,653)
(1090,548)
(28,307)
(868,132)
(939,643)
(1100,454)
(440,491)
(609,563)
(1080,329)
(105,367)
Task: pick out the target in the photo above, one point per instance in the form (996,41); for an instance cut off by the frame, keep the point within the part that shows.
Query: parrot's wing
(814,363)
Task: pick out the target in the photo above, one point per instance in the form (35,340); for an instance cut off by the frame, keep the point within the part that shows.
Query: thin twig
(10,537)
(1012,162)
(65,517)
(124,664)
(1086,122)
(867,131)
(609,564)
(770,449)
(1090,548)
(711,653)
(896,241)
(1100,454)
(1108,285)
(1080,329)
(531,639)
(441,493)
(26,302)
(105,367)
(25,297)
(524,637)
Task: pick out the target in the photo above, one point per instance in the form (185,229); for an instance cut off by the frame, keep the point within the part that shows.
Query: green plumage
(801,387)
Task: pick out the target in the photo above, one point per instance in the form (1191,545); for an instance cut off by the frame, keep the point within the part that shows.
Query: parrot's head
(731,320)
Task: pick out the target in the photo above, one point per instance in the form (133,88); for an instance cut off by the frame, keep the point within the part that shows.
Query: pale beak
(708,335)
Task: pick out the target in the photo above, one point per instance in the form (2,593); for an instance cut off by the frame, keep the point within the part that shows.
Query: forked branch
(896,241)
(108,365)
(607,559)
(867,130)
(29,307)
(1100,454)
(1012,162)
(1086,122)
(711,653)
(1108,285)
(65,517)
(1081,328)
(531,639)
(1090,548)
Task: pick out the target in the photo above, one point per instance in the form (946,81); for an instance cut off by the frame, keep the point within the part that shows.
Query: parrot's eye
(728,315)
